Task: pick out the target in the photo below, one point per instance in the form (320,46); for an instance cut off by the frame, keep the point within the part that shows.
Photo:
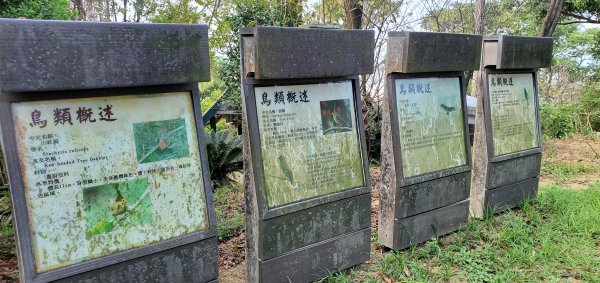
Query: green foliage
(178,11)
(230,214)
(210,92)
(590,106)
(558,120)
(583,10)
(502,17)
(37,9)
(565,171)
(247,13)
(373,133)
(5,213)
(225,153)
(551,239)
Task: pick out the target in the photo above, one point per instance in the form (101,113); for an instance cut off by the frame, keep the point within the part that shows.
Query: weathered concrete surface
(40,55)
(286,53)
(317,261)
(418,52)
(513,195)
(422,227)
(306,227)
(196,262)
(521,52)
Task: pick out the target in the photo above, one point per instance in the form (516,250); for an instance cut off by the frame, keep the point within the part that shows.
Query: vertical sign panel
(431,124)
(309,141)
(514,120)
(104,175)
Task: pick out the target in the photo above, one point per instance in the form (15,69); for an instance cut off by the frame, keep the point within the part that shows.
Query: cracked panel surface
(430,124)
(309,141)
(513,108)
(108,174)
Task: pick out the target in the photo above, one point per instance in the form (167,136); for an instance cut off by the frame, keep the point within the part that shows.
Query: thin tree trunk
(479,14)
(354,13)
(552,18)
(124,10)
(80,9)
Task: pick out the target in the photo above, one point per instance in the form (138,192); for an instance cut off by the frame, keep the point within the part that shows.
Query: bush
(558,120)
(225,155)
(373,134)
(590,106)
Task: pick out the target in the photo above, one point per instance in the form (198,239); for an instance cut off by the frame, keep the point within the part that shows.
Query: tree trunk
(354,14)
(80,9)
(552,18)
(124,10)
(479,14)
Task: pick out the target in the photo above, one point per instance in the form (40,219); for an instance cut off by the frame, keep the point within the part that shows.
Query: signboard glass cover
(514,120)
(309,141)
(431,124)
(104,175)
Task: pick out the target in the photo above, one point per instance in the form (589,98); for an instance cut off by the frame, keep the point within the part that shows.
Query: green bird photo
(526,96)
(285,169)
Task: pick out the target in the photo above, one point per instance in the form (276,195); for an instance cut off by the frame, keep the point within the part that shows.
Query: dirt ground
(574,150)
(577,152)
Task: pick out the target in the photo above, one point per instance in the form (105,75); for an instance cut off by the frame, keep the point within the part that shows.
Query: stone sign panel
(426,164)
(431,124)
(514,120)
(307,186)
(108,172)
(102,175)
(507,143)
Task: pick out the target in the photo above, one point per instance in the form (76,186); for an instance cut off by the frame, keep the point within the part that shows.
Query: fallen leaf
(407,272)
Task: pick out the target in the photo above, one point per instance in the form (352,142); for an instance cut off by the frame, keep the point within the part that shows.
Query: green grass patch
(564,171)
(554,238)
(6,228)
(229,210)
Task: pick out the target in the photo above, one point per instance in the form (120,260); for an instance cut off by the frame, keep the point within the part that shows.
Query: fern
(225,154)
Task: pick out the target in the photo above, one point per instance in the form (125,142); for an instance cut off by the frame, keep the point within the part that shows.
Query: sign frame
(204,239)
(395,133)
(255,144)
(278,245)
(501,182)
(488,115)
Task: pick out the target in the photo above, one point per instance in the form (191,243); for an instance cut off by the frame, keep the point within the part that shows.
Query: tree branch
(580,17)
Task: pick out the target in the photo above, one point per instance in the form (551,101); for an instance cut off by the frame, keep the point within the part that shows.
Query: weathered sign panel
(307,190)
(514,116)
(426,162)
(108,184)
(507,146)
(309,141)
(431,124)
(102,175)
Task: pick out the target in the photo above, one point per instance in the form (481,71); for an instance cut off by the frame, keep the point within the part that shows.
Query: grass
(564,171)
(229,210)
(555,238)
(6,228)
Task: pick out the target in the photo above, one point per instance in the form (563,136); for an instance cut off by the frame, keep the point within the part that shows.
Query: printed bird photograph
(336,116)
(448,109)
(285,169)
